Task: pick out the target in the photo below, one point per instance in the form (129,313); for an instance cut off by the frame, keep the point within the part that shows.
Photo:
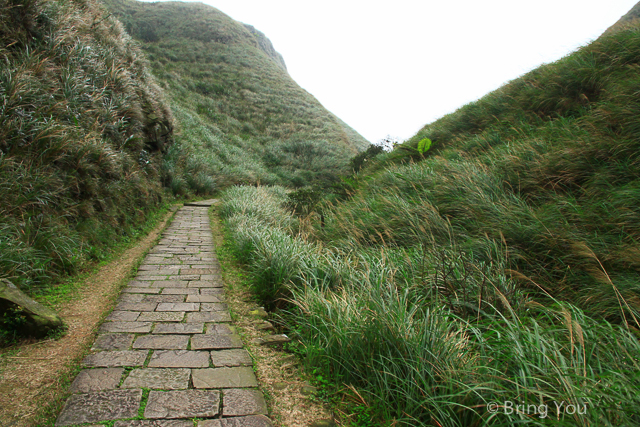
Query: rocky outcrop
(266,46)
(38,319)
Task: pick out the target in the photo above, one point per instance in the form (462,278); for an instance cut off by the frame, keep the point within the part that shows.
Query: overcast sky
(389,68)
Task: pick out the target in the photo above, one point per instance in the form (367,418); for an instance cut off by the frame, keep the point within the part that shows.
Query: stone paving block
(198,271)
(158,272)
(154,423)
(209,316)
(113,359)
(178,328)
(90,380)
(179,291)
(169,261)
(185,277)
(164,316)
(213,306)
(158,378)
(205,284)
(215,341)
(237,377)
(138,284)
(123,316)
(100,406)
(251,421)
(178,306)
(135,306)
(113,342)
(170,284)
(215,277)
(220,328)
(212,291)
(179,359)
(230,358)
(138,290)
(239,402)
(162,342)
(163,298)
(133,327)
(131,297)
(182,404)
(204,298)
(150,278)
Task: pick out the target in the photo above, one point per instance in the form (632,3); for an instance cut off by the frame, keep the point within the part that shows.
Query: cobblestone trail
(167,354)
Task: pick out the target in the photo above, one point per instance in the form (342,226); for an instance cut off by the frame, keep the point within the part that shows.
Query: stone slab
(205,284)
(100,406)
(161,316)
(240,402)
(220,328)
(229,358)
(209,316)
(213,306)
(239,377)
(135,306)
(123,316)
(204,298)
(162,342)
(170,284)
(90,380)
(178,328)
(158,378)
(179,291)
(114,359)
(182,404)
(138,290)
(154,423)
(211,291)
(113,342)
(178,306)
(215,341)
(179,359)
(163,298)
(130,297)
(251,421)
(133,327)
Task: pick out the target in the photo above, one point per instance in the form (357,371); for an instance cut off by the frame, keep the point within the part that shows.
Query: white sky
(389,68)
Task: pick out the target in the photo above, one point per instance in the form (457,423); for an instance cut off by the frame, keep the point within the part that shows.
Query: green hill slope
(498,267)
(242,118)
(82,130)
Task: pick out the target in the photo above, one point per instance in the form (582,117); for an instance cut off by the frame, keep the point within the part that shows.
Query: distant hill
(242,118)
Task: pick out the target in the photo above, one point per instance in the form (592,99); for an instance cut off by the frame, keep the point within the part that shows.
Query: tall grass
(82,130)
(431,335)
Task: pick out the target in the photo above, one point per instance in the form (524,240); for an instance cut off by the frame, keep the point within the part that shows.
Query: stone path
(168,356)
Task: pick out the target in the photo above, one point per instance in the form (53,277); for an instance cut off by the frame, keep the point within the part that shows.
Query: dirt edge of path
(35,377)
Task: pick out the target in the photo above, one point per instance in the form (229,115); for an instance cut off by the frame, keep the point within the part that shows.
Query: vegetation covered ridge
(488,262)
(241,117)
(82,130)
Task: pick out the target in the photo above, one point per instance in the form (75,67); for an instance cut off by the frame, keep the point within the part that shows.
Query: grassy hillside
(500,265)
(242,119)
(82,130)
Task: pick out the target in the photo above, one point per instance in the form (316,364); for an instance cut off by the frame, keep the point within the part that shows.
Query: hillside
(83,128)
(629,20)
(492,260)
(241,116)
